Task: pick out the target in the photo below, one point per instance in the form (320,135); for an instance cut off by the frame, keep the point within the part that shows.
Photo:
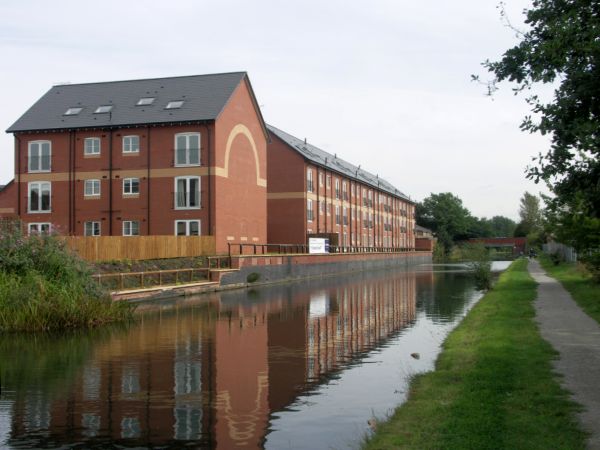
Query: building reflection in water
(211,374)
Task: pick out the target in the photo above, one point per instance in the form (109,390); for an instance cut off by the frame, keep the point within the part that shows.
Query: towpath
(576,337)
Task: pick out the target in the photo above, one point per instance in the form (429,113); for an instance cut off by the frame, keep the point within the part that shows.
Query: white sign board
(317,245)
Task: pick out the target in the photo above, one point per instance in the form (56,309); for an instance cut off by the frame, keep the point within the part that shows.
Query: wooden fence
(106,248)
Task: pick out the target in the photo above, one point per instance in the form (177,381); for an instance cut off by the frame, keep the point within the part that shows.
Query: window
(131,144)
(345,216)
(73,111)
(321,179)
(187,228)
(345,190)
(131,228)
(39,228)
(337,215)
(39,156)
(145,101)
(309,210)
(39,196)
(91,229)
(131,186)
(309,180)
(337,188)
(91,146)
(187,149)
(321,207)
(187,192)
(328,181)
(92,188)
(103,109)
(176,104)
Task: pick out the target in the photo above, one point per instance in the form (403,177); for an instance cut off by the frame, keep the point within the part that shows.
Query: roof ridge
(133,80)
(339,164)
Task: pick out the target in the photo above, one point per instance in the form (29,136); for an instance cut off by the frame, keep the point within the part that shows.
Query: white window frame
(187,190)
(89,148)
(40,186)
(128,226)
(310,212)
(188,223)
(131,181)
(39,225)
(95,228)
(39,157)
(91,188)
(309,181)
(128,141)
(187,150)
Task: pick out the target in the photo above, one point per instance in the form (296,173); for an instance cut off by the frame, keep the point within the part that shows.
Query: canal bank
(493,384)
(256,270)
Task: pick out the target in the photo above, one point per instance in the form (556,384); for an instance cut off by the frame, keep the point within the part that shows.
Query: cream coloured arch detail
(241,129)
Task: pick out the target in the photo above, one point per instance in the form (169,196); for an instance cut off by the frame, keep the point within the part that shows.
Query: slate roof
(204,98)
(332,162)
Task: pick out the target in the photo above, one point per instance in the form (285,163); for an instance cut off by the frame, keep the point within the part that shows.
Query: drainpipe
(70,181)
(18,167)
(210,230)
(74,186)
(110,183)
(148,179)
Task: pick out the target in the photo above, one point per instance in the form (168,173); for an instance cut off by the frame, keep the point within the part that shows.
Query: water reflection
(217,371)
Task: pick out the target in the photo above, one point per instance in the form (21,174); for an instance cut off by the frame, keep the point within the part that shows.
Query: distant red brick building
(182,155)
(313,192)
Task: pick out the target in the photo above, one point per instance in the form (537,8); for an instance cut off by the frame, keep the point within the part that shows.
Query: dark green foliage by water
(44,286)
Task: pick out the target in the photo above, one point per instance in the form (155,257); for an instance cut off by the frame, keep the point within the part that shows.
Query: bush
(556,258)
(45,286)
(591,261)
(479,260)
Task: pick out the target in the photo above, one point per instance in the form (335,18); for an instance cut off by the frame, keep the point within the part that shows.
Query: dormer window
(176,104)
(103,109)
(145,101)
(72,111)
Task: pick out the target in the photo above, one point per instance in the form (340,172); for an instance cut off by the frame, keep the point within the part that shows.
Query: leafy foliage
(451,222)
(44,286)
(561,48)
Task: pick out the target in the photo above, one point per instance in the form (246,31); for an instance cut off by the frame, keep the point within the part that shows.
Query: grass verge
(578,282)
(493,385)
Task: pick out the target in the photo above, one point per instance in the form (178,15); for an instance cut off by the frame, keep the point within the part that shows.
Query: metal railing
(133,280)
(286,249)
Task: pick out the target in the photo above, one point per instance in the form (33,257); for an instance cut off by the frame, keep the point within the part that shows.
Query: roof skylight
(174,104)
(73,111)
(103,109)
(145,101)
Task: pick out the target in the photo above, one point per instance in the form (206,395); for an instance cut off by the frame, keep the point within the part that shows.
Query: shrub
(45,286)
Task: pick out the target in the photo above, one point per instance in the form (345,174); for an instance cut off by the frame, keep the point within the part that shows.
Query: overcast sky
(385,84)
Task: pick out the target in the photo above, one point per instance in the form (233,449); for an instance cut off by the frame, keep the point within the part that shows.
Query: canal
(298,365)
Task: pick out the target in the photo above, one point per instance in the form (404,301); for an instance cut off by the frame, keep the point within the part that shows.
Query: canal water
(303,365)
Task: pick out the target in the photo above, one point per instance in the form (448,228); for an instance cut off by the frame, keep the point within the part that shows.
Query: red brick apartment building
(312,192)
(182,155)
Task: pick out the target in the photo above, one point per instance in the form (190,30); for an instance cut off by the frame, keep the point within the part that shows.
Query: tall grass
(44,286)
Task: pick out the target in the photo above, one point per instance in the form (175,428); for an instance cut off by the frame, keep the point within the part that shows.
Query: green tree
(502,226)
(561,48)
(446,216)
(530,213)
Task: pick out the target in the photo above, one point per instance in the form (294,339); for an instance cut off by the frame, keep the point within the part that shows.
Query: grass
(578,282)
(493,386)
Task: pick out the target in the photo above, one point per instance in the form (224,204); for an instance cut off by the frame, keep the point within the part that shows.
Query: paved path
(576,336)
